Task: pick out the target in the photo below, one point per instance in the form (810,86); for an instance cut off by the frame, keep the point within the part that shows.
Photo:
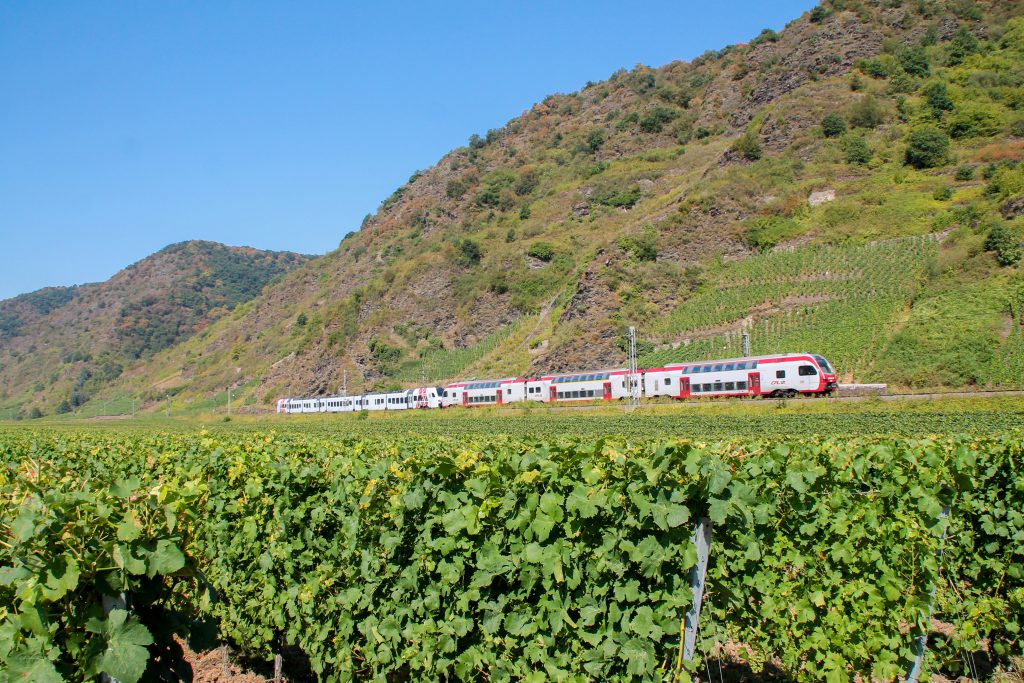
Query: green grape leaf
(31,668)
(125,655)
(166,559)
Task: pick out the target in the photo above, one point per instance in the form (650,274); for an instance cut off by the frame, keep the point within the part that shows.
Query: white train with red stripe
(778,376)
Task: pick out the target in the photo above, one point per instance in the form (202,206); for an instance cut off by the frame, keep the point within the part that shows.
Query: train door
(606,391)
(554,393)
(465,398)
(497,397)
(684,387)
(754,383)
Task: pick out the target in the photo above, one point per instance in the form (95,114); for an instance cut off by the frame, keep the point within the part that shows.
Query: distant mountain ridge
(740,191)
(60,345)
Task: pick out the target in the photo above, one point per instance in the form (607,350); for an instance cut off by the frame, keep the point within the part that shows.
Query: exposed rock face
(1012,207)
(821,197)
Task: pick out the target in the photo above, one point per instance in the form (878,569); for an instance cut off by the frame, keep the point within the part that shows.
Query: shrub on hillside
(856,149)
(875,68)
(964,173)
(543,251)
(914,60)
(820,14)
(765,232)
(1005,181)
(927,147)
(963,44)
(866,112)
(617,195)
(833,125)
(655,120)
(643,247)
(748,146)
(469,252)
(1006,244)
(973,121)
(937,96)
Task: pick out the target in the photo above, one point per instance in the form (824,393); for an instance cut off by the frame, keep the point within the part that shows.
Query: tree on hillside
(748,147)
(469,252)
(1006,245)
(833,125)
(866,112)
(927,147)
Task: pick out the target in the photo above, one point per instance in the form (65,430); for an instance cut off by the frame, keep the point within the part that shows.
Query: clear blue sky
(125,127)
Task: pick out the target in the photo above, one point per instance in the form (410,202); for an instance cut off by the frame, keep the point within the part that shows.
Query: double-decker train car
(590,386)
(778,375)
(487,392)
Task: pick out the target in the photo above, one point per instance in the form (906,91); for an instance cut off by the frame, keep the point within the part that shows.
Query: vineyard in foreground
(475,558)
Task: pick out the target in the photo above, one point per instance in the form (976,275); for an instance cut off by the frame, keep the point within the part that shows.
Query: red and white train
(777,376)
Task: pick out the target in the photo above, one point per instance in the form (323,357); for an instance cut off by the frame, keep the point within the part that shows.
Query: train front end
(828,375)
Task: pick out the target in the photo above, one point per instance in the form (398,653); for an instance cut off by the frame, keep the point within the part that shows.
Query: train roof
(771,356)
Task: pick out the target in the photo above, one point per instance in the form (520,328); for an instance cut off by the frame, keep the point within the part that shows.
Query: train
(784,375)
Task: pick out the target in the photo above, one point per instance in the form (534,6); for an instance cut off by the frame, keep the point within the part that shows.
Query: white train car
(591,386)
(487,392)
(777,375)
(340,404)
(399,400)
(426,397)
(302,405)
(451,395)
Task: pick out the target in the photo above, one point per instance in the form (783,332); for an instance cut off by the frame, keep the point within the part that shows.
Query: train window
(668,381)
(718,367)
(718,386)
(730,366)
(780,374)
(741,386)
(741,366)
(695,388)
(807,370)
(707,387)
(730,386)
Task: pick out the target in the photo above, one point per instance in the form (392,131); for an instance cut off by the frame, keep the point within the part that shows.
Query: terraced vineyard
(842,302)
(505,558)
(445,364)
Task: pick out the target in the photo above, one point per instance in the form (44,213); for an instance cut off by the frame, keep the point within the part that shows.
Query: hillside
(59,346)
(849,185)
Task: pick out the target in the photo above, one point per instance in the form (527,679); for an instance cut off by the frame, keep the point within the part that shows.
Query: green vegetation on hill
(62,346)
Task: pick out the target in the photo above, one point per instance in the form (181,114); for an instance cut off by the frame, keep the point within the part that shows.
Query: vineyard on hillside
(842,302)
(507,559)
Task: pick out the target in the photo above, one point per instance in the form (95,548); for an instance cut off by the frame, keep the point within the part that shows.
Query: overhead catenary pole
(746,343)
(633,383)
(229,401)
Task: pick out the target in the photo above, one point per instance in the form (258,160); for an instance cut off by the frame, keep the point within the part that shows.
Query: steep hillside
(655,196)
(61,345)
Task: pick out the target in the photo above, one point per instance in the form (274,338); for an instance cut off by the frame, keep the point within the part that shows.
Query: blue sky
(125,127)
